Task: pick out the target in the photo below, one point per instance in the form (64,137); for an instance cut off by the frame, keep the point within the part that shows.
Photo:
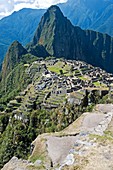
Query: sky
(9,6)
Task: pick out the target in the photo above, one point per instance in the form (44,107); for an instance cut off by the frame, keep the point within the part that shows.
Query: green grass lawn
(54,69)
(84,78)
(60,66)
(98,84)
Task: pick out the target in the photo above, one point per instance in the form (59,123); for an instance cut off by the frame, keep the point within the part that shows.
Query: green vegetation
(49,35)
(60,65)
(37,157)
(17,135)
(104,138)
(54,69)
(15,82)
(26,117)
(83,78)
(22,96)
(106,99)
(23,103)
(98,84)
(32,167)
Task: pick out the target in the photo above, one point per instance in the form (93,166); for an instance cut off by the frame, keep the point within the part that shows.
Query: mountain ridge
(46,95)
(13,57)
(88,12)
(61,39)
(83,16)
(18,26)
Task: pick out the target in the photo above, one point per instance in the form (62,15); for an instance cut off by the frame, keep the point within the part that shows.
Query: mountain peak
(13,56)
(15,51)
(55,12)
(52,26)
(54,8)
(15,45)
(15,42)
(61,39)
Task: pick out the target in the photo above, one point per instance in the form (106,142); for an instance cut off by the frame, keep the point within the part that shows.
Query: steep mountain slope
(40,96)
(43,96)
(61,39)
(52,32)
(13,75)
(104,22)
(18,26)
(90,14)
(85,144)
(13,57)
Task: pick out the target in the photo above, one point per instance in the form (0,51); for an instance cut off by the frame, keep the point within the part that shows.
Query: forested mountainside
(42,96)
(90,14)
(18,26)
(45,87)
(61,39)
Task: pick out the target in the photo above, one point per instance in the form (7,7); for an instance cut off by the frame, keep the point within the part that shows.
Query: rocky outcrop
(15,163)
(78,146)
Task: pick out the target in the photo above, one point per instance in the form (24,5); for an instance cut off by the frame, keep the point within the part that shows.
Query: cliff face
(52,32)
(61,39)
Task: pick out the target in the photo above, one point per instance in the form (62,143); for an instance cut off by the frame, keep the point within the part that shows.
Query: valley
(56,95)
(21,25)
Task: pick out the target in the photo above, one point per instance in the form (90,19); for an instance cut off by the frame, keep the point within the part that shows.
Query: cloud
(8,6)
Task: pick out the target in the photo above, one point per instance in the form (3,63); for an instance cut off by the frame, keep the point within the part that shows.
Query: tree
(61,72)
